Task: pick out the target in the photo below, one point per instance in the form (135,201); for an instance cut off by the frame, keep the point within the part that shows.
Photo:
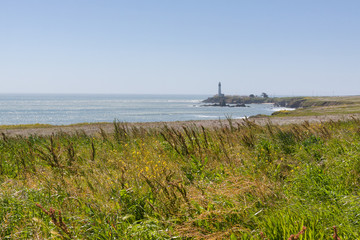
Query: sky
(281,47)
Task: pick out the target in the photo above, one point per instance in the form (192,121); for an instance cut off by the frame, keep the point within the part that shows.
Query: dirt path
(92,129)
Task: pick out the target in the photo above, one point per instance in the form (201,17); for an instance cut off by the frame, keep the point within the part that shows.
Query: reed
(236,181)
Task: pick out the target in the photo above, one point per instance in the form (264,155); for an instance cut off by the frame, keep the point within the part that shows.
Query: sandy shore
(94,128)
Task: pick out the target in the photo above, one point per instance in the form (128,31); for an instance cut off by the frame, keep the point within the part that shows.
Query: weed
(226,182)
(56,218)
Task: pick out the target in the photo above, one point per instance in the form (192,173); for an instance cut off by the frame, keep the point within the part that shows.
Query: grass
(38,125)
(242,181)
(25,126)
(317,106)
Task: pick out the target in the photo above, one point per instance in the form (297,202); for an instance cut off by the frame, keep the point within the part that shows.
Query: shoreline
(94,128)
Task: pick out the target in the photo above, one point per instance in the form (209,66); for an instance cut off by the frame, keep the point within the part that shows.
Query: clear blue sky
(298,47)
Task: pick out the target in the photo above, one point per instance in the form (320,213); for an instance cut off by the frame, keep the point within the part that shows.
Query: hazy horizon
(297,48)
(179,94)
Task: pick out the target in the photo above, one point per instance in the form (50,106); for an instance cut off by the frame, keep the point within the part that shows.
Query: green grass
(38,125)
(318,106)
(240,181)
(25,126)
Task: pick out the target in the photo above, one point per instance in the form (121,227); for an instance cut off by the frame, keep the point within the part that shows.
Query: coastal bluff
(289,102)
(233,99)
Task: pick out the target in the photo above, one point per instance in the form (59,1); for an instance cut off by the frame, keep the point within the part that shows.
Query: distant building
(219,91)
(222,101)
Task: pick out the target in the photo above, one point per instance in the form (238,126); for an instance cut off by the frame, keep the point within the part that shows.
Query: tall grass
(242,181)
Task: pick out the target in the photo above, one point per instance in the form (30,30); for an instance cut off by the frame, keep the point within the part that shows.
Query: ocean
(63,109)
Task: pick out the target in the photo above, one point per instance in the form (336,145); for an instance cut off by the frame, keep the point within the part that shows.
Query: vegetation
(315,106)
(229,99)
(241,181)
(305,106)
(25,126)
(39,126)
(264,95)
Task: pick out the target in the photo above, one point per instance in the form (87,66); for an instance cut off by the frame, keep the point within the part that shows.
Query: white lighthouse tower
(222,101)
(219,91)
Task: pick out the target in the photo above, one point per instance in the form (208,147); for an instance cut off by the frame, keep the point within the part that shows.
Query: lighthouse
(219,90)
(222,101)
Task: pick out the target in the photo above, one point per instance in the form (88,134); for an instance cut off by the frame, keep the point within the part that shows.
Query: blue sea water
(61,109)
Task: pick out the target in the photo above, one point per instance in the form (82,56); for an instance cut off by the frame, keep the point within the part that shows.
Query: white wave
(239,117)
(184,101)
(275,109)
(205,116)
